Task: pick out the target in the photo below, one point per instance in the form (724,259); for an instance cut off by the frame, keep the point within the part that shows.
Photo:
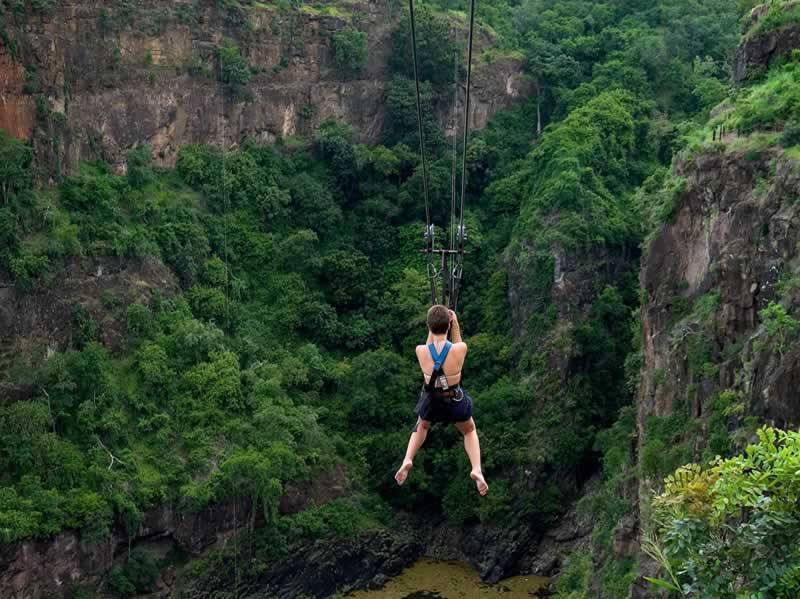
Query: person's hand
(453,317)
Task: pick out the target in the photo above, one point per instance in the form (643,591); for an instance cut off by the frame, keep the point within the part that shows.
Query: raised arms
(455,328)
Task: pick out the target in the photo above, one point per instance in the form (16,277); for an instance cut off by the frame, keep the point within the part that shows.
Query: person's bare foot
(402,474)
(477,476)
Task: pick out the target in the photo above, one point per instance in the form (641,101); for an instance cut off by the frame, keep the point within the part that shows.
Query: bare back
(452,367)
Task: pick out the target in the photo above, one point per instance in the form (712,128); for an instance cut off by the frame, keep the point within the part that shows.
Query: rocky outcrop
(732,249)
(321,489)
(496,552)
(17,109)
(111,79)
(758,52)
(51,568)
(493,551)
(735,234)
(568,279)
(330,567)
(569,533)
(336,566)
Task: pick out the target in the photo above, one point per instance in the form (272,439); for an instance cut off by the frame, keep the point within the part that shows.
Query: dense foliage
(732,529)
(350,51)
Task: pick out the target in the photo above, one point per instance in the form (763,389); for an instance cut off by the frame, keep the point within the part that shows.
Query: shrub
(139,171)
(26,269)
(234,71)
(733,529)
(791,135)
(779,324)
(137,575)
(436,50)
(778,16)
(350,51)
(664,450)
(15,162)
(575,580)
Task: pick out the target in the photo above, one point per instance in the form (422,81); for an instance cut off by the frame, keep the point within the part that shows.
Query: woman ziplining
(442,398)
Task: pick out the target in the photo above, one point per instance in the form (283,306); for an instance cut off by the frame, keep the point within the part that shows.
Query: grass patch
(778,16)
(326,11)
(769,104)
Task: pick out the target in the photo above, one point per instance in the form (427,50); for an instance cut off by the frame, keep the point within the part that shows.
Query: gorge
(211,288)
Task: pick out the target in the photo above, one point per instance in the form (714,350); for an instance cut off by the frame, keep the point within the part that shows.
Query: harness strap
(439,358)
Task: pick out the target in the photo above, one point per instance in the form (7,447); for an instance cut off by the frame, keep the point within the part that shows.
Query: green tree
(780,326)
(550,67)
(139,171)
(732,529)
(402,124)
(234,70)
(313,205)
(347,277)
(350,51)
(437,55)
(15,164)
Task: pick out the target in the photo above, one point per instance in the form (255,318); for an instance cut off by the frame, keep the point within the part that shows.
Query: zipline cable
(453,194)
(458,268)
(429,232)
(466,122)
(453,167)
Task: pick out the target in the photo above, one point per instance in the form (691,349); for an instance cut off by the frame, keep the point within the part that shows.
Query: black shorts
(434,409)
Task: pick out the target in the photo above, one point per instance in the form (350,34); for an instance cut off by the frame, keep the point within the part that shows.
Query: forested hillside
(209,301)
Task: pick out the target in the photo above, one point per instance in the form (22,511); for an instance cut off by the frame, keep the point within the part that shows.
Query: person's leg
(414,443)
(473,448)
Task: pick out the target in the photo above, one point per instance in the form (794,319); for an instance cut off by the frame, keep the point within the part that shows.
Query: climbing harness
(450,265)
(438,385)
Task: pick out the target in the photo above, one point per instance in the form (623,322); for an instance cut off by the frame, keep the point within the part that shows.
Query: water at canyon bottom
(431,579)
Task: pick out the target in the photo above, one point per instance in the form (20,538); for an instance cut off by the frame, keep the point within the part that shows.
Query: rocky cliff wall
(712,370)
(55,567)
(761,49)
(733,241)
(91,79)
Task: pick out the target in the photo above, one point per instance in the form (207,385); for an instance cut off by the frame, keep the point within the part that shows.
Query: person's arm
(455,328)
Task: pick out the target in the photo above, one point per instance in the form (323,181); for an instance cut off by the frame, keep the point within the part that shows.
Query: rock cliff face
(730,251)
(734,239)
(496,552)
(52,567)
(321,570)
(327,568)
(96,78)
(17,109)
(759,51)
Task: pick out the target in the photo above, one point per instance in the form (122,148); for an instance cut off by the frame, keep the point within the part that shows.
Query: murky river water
(430,579)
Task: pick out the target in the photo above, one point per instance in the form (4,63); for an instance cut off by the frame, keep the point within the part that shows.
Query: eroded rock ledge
(106,88)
